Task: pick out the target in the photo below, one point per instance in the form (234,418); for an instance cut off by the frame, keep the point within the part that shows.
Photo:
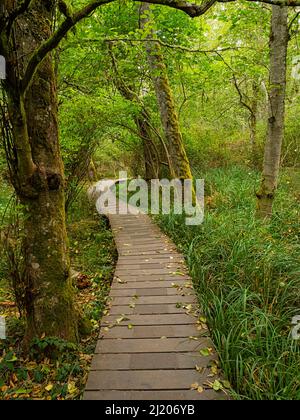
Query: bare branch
(164,44)
(236,85)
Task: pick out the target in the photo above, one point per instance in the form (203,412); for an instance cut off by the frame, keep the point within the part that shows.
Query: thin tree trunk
(278,52)
(47,289)
(253,125)
(180,166)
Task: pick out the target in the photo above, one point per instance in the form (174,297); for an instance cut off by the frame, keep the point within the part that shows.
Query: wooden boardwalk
(153,343)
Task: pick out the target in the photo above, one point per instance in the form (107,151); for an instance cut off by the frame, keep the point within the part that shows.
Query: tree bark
(278,53)
(180,166)
(47,289)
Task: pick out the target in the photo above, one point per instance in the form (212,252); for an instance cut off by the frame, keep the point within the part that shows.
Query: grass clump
(247,276)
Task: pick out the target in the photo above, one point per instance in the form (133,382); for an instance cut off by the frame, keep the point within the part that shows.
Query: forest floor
(36,376)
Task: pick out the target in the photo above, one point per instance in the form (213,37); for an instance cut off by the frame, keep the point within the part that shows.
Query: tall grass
(247,276)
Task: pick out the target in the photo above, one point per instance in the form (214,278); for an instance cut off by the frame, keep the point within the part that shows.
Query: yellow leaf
(199,369)
(72,388)
(49,387)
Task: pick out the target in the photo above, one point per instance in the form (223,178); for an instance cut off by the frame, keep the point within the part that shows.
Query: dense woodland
(159,89)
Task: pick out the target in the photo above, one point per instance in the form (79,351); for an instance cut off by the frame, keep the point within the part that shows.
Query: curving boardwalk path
(153,344)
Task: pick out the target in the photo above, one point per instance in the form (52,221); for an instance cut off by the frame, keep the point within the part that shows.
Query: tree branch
(236,85)
(164,44)
(195,10)
(192,9)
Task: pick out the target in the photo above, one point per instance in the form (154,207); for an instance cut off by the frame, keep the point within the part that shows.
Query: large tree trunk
(47,289)
(278,52)
(180,166)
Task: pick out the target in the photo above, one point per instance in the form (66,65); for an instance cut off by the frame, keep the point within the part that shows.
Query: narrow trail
(150,340)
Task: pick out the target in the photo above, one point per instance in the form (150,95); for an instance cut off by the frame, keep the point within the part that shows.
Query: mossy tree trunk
(180,166)
(278,54)
(38,178)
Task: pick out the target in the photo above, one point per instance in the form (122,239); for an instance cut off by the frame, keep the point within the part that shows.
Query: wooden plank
(133,261)
(152,277)
(163,395)
(151,291)
(146,275)
(148,284)
(151,345)
(152,300)
(167,271)
(170,266)
(143,379)
(148,361)
(147,309)
(150,331)
(141,253)
(169,319)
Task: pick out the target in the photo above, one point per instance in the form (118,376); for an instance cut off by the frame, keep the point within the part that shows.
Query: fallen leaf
(226,384)
(49,387)
(217,386)
(72,388)
(206,351)
(199,369)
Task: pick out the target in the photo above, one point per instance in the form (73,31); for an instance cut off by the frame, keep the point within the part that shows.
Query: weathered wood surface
(151,338)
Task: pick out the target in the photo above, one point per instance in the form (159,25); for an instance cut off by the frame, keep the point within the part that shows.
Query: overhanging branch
(192,9)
